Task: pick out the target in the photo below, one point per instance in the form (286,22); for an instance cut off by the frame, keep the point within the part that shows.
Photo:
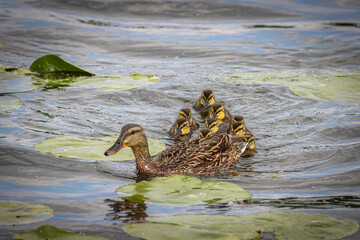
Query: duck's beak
(115,148)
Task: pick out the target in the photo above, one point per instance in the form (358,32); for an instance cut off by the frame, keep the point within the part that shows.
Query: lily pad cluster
(47,232)
(179,189)
(17,213)
(90,148)
(285,225)
(338,86)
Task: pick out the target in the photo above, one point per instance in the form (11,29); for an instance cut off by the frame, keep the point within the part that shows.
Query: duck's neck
(142,156)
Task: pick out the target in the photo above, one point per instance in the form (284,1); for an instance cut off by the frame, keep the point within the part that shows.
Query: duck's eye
(132,132)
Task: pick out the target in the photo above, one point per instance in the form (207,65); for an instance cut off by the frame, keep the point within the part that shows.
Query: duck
(204,133)
(212,125)
(220,113)
(205,157)
(185,113)
(239,128)
(181,130)
(206,100)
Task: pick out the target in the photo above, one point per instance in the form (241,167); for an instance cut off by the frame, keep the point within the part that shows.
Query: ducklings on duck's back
(239,128)
(206,100)
(205,157)
(181,130)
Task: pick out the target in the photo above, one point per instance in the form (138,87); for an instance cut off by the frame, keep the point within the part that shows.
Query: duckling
(238,128)
(185,113)
(206,157)
(212,125)
(181,130)
(219,112)
(206,100)
(204,133)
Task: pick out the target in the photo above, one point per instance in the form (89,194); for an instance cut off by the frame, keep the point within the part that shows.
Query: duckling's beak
(115,148)
(214,116)
(233,133)
(206,104)
(178,132)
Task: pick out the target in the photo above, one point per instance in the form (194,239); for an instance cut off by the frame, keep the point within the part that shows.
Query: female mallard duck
(218,112)
(204,133)
(206,157)
(206,100)
(185,113)
(182,130)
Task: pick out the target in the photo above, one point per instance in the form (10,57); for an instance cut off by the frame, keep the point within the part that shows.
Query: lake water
(191,45)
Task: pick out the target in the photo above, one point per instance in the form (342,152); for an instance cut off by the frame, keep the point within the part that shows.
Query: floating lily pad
(47,232)
(4,69)
(285,225)
(91,148)
(336,86)
(117,83)
(178,189)
(8,104)
(54,64)
(16,213)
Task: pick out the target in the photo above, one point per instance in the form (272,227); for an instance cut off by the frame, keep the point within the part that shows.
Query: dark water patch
(268,26)
(342,24)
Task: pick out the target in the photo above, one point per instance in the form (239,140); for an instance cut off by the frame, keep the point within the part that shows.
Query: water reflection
(126,211)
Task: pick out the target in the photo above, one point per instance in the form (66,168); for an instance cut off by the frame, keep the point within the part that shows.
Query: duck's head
(237,128)
(212,124)
(204,133)
(217,112)
(207,98)
(238,118)
(182,127)
(186,113)
(131,135)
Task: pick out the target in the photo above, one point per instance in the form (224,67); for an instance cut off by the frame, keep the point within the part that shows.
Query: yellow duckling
(212,125)
(204,133)
(186,113)
(238,128)
(206,100)
(206,157)
(182,130)
(218,112)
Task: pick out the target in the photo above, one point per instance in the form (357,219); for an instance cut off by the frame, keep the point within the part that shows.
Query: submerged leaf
(336,86)
(16,213)
(47,232)
(285,225)
(178,189)
(54,64)
(90,148)
(8,104)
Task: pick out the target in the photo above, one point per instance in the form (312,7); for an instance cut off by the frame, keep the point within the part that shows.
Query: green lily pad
(336,86)
(8,104)
(54,64)
(16,213)
(285,225)
(47,232)
(117,83)
(91,148)
(178,189)
(7,69)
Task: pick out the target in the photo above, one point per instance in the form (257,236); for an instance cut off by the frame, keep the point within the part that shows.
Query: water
(191,46)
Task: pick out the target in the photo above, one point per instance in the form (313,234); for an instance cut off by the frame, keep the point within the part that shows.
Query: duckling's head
(212,124)
(131,135)
(217,112)
(237,128)
(207,98)
(238,118)
(186,113)
(182,127)
(204,133)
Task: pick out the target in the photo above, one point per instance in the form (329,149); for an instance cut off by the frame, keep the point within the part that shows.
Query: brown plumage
(206,157)
(204,133)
